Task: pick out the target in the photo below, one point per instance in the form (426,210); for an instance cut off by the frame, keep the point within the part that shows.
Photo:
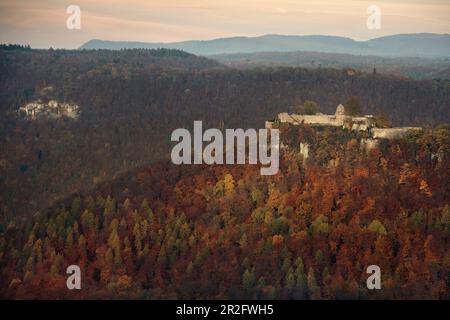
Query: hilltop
(309,232)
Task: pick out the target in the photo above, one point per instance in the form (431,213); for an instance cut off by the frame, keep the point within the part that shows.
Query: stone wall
(391,133)
(269,125)
(318,119)
(337,120)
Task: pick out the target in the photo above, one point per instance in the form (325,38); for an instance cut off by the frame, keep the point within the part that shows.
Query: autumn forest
(99,191)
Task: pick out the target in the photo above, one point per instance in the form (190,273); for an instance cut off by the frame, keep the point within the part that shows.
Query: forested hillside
(416,68)
(218,232)
(131,100)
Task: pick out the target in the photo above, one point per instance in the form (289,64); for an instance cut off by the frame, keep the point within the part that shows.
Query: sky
(42,23)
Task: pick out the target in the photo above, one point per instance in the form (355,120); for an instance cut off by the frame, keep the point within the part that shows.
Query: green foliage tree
(320,225)
(353,106)
(382,121)
(310,107)
(280,225)
(313,288)
(445,219)
(377,227)
(290,281)
(248,278)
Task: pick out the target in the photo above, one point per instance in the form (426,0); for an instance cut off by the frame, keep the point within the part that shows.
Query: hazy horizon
(43,24)
(218,38)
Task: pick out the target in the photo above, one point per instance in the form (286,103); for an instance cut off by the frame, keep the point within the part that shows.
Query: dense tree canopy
(98,193)
(309,232)
(131,101)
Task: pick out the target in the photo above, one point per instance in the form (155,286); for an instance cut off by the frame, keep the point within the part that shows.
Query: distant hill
(413,67)
(411,45)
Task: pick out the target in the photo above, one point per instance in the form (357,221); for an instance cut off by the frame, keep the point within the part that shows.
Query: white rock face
(368,144)
(304,150)
(51,109)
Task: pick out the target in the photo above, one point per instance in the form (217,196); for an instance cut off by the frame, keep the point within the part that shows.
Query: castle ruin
(365,123)
(51,109)
(340,119)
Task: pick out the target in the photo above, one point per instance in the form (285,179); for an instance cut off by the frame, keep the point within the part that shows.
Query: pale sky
(42,23)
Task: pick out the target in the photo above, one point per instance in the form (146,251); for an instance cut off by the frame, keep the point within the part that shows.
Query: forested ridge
(416,68)
(219,232)
(131,101)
